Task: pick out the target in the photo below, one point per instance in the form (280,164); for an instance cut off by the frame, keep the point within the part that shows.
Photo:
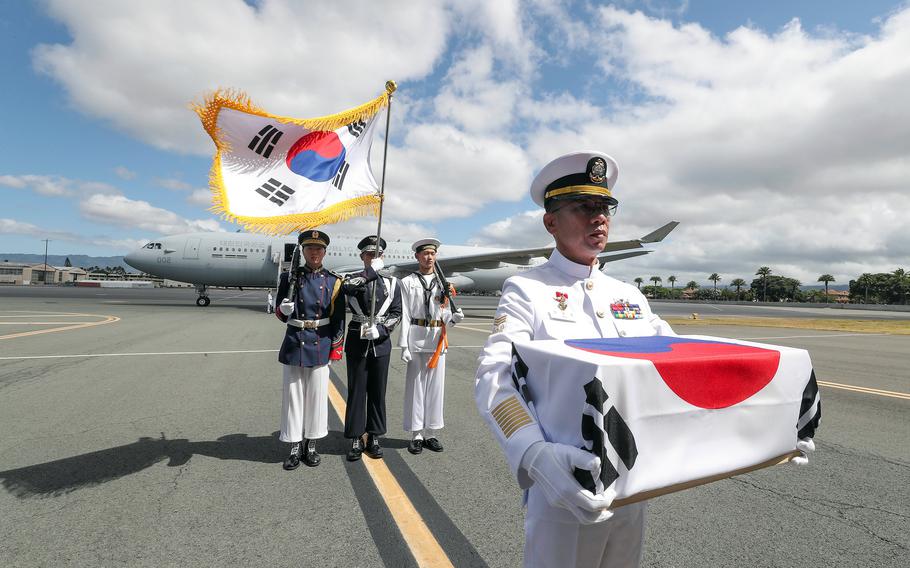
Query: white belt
(308,324)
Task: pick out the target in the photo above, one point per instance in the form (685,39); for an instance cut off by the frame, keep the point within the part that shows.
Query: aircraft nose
(132,259)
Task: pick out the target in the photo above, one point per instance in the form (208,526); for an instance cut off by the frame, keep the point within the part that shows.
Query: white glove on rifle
(371,332)
(286,308)
(805,446)
(457,316)
(405,355)
(377,263)
(550,465)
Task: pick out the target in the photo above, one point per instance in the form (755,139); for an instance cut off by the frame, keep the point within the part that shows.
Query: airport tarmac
(141,430)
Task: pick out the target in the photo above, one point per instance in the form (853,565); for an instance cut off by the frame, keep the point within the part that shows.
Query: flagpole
(390,87)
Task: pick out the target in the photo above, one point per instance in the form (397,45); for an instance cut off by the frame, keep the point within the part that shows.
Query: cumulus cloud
(56,186)
(125,212)
(125,173)
(14,227)
(138,65)
(766,146)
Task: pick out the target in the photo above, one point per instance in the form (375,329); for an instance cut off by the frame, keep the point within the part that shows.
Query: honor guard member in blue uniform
(314,313)
(567,297)
(425,312)
(368,348)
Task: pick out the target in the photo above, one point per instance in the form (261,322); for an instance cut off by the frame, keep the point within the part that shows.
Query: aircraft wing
(487,260)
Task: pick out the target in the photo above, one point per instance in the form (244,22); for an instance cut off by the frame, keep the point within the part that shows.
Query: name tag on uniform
(562,315)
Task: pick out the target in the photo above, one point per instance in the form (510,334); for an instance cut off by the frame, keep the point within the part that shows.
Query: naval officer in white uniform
(425,313)
(567,297)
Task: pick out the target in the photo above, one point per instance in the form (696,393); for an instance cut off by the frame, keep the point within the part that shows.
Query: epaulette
(335,274)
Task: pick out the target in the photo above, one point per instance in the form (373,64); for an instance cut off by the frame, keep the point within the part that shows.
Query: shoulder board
(333,273)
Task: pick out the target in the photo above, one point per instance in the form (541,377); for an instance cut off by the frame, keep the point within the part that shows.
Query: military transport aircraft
(247,259)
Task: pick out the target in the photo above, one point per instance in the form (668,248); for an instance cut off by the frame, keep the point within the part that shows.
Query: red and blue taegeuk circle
(316,156)
(704,373)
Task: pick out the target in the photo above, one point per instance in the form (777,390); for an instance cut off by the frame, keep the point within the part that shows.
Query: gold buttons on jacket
(589,284)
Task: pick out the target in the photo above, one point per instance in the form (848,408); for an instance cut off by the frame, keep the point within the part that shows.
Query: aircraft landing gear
(202,300)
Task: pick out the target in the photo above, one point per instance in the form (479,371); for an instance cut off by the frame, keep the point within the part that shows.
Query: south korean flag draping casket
(668,412)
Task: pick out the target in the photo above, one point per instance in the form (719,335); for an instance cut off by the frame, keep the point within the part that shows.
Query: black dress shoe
(373,449)
(432,444)
(293,460)
(415,446)
(310,457)
(355,451)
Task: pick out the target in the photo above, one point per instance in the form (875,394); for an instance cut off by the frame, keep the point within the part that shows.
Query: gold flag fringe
(283,225)
(240,101)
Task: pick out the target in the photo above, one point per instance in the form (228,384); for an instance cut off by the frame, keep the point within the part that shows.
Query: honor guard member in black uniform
(368,349)
(312,305)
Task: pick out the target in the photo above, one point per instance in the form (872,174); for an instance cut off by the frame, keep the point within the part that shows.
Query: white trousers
(423,393)
(305,403)
(554,538)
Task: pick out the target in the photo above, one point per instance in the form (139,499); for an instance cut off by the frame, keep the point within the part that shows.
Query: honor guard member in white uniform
(368,348)
(567,297)
(314,313)
(425,310)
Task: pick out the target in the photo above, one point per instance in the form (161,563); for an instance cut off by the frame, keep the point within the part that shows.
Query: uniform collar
(306,268)
(563,264)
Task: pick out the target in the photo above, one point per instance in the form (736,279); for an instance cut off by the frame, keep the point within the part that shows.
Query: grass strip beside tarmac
(895,327)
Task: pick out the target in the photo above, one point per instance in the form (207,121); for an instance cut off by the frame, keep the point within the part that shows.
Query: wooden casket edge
(645,495)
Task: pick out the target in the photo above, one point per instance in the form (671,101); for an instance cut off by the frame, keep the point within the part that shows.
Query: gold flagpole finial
(391,86)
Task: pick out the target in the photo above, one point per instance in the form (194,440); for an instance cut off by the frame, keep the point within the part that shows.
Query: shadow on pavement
(59,477)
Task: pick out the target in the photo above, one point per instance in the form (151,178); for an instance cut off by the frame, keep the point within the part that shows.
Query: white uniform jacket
(557,300)
(420,319)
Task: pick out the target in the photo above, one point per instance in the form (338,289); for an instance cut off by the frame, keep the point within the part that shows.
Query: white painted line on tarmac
(142,354)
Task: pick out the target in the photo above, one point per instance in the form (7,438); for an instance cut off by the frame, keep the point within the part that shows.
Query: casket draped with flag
(278,175)
(665,413)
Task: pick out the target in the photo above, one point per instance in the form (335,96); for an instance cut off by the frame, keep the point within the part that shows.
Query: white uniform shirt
(557,300)
(420,339)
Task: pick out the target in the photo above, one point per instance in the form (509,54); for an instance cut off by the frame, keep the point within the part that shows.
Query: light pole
(45,260)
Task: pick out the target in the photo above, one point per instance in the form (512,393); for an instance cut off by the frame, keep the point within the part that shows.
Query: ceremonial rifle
(443,336)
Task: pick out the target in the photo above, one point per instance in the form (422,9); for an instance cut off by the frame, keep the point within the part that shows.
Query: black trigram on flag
(275,191)
(265,141)
(596,427)
(810,410)
(338,181)
(520,376)
(357,128)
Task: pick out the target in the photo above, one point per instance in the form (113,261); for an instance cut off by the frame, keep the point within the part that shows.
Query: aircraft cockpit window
(153,246)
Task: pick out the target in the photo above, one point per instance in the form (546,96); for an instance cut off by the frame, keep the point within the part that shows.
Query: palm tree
(672,280)
(638,280)
(764,272)
(739,283)
(656,279)
(715,277)
(692,284)
(825,278)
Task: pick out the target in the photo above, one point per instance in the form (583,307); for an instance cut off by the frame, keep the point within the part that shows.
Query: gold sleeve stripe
(508,404)
(510,415)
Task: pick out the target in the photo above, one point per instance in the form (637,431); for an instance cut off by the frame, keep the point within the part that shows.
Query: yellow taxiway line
(66,325)
(421,542)
(865,390)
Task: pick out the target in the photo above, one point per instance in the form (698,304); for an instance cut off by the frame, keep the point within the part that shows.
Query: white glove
(550,465)
(371,332)
(377,263)
(457,316)
(405,355)
(286,307)
(805,446)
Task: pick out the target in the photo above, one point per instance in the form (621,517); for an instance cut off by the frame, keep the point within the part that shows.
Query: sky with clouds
(777,133)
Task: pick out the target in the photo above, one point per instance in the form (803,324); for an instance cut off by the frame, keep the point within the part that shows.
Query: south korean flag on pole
(278,175)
